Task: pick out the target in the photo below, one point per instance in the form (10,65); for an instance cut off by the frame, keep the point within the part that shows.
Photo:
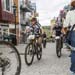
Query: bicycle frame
(34,42)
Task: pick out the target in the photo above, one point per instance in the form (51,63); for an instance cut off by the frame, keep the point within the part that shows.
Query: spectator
(70,20)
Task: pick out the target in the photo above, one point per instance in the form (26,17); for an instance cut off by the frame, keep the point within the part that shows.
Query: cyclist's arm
(52,32)
(64,30)
(66,23)
(40,30)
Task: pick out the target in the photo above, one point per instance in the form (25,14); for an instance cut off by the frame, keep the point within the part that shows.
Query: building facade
(6,15)
(7,19)
(26,12)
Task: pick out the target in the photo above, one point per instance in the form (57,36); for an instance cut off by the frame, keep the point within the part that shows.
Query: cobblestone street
(49,64)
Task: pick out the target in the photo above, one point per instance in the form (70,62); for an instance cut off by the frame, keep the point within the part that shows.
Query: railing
(9,37)
(27,5)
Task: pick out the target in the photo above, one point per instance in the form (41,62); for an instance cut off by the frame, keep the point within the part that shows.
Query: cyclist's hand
(64,30)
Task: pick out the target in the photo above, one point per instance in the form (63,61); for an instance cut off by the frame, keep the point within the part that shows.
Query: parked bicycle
(32,48)
(10,62)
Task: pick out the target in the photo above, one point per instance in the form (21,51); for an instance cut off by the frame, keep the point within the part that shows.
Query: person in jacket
(70,20)
(44,36)
(35,28)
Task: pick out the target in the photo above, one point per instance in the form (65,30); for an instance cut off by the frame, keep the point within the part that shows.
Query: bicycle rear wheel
(10,54)
(39,52)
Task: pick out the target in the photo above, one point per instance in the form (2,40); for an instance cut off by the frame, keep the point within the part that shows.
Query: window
(8,5)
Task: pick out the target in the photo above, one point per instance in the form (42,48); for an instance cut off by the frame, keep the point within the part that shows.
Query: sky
(48,9)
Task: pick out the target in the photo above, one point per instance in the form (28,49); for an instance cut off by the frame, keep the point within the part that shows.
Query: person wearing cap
(35,27)
(70,21)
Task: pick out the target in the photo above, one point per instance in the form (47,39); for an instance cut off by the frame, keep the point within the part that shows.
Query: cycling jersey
(58,30)
(35,29)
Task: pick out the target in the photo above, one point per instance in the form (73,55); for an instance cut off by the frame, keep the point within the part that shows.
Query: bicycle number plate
(57,37)
(31,37)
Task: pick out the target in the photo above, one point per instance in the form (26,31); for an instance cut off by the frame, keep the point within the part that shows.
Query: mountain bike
(32,48)
(10,62)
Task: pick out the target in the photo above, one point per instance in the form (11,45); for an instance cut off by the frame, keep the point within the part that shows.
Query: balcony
(26,8)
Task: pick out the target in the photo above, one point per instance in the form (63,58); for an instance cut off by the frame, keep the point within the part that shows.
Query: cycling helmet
(33,19)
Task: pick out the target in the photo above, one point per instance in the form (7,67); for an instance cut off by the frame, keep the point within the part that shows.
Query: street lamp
(14,12)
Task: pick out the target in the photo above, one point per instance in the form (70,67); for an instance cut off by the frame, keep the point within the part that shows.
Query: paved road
(49,64)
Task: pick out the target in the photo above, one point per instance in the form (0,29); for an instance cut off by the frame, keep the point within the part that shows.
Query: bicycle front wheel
(29,54)
(58,48)
(11,59)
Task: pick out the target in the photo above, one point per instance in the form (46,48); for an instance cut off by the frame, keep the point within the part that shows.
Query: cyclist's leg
(40,41)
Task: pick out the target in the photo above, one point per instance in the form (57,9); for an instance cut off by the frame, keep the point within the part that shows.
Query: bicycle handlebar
(72,48)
